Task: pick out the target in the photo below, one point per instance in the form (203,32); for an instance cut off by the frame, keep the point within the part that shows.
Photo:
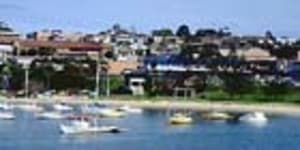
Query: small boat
(254,118)
(85,127)
(7,116)
(179,118)
(78,117)
(91,110)
(62,107)
(5,106)
(217,116)
(131,110)
(30,107)
(50,115)
(111,113)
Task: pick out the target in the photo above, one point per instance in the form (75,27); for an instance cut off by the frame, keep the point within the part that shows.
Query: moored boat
(131,110)
(217,116)
(62,107)
(30,108)
(91,110)
(111,113)
(50,115)
(254,118)
(7,116)
(85,127)
(179,118)
(5,106)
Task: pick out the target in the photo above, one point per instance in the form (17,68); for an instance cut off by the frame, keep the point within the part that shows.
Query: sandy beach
(270,108)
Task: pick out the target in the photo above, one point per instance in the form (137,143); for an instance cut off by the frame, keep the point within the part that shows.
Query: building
(55,35)
(6,51)
(61,48)
(255,54)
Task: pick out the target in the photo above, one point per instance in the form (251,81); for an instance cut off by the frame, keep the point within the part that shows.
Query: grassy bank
(291,97)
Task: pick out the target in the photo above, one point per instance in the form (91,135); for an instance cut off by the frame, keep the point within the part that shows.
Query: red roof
(74,46)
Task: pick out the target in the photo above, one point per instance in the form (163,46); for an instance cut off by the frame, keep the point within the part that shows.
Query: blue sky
(242,16)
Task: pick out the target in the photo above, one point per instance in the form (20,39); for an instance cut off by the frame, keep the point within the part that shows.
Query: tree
(46,51)
(206,32)
(276,89)
(163,32)
(183,31)
(237,84)
(269,35)
(285,52)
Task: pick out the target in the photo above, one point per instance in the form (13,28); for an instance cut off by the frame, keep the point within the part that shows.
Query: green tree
(163,32)
(276,89)
(183,31)
(237,84)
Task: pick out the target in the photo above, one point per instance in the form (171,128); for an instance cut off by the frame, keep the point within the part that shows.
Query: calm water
(149,131)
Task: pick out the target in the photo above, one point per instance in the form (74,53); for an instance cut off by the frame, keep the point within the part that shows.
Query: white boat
(217,116)
(131,110)
(179,118)
(50,115)
(5,106)
(7,116)
(30,108)
(91,110)
(85,127)
(254,118)
(111,113)
(62,107)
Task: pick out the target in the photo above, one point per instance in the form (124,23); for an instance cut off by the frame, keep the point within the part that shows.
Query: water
(150,131)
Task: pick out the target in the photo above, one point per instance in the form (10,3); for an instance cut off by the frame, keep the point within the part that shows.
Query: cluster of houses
(172,59)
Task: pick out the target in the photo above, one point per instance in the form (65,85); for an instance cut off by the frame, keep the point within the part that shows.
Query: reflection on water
(151,130)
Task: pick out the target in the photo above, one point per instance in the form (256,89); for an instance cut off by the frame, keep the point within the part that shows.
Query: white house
(6,50)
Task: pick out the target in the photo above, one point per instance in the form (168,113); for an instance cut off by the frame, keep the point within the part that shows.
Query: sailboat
(180,118)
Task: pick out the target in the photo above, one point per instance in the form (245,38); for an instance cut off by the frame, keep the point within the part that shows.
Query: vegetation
(163,32)
(183,31)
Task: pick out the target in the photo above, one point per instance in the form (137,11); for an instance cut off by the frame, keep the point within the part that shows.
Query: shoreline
(234,107)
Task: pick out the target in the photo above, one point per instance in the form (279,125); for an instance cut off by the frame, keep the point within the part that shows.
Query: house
(55,35)
(255,54)
(62,48)
(6,50)
(118,67)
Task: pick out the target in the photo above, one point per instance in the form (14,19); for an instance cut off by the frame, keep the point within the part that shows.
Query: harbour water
(149,131)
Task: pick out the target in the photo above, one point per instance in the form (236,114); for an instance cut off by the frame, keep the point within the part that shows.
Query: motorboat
(62,107)
(7,116)
(111,113)
(5,106)
(254,118)
(130,110)
(50,115)
(179,118)
(217,116)
(30,108)
(85,127)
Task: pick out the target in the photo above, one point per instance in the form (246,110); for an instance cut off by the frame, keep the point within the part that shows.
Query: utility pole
(26,82)
(107,84)
(97,77)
